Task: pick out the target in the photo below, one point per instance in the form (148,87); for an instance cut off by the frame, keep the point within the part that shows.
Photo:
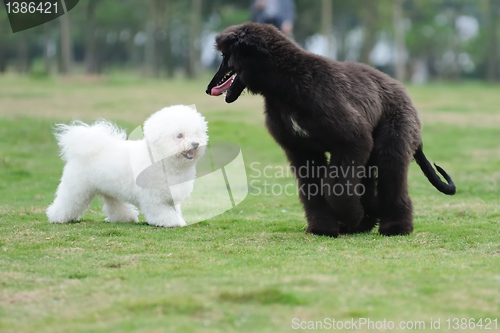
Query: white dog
(100,161)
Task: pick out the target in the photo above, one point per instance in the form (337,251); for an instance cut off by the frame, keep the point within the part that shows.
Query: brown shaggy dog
(328,116)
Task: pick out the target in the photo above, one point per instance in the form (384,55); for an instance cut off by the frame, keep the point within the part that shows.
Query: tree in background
(66,46)
(327,25)
(308,19)
(4,44)
(48,49)
(22,62)
(493,67)
(194,35)
(166,61)
(399,40)
(369,18)
(156,34)
(91,61)
(163,37)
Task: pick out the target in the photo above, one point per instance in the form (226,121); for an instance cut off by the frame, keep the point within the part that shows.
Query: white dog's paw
(122,219)
(61,221)
(181,222)
(178,222)
(56,216)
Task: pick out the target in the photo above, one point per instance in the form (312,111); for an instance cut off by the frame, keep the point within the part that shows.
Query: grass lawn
(251,269)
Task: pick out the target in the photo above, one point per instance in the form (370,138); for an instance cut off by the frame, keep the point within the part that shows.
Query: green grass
(251,269)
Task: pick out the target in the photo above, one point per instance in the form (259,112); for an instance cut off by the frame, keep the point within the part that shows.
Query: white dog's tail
(79,139)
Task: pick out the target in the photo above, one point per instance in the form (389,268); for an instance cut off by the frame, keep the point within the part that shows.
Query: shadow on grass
(187,306)
(262,296)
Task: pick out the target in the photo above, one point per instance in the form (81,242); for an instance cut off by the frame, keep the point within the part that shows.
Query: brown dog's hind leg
(395,206)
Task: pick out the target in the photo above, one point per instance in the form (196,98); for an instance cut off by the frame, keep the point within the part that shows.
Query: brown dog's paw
(395,228)
(366,225)
(323,232)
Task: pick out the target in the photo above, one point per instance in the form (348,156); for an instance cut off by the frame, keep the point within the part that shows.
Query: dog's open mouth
(224,84)
(189,154)
(226,81)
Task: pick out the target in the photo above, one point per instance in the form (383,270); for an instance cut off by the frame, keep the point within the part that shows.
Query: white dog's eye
(179,136)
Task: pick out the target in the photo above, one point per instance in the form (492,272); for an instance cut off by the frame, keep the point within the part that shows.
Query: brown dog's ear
(225,42)
(250,45)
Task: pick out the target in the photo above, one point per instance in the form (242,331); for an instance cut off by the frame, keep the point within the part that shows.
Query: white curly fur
(98,163)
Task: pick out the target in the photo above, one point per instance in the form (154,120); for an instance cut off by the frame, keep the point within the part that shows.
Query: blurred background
(251,268)
(417,41)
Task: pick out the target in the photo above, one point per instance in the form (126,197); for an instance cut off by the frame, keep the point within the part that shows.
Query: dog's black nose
(195,145)
(208,91)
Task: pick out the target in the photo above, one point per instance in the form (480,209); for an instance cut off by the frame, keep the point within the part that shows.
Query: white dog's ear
(193,106)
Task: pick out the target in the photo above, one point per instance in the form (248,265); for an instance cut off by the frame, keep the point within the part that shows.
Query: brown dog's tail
(431,174)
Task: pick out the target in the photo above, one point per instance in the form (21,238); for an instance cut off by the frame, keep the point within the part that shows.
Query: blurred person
(280,13)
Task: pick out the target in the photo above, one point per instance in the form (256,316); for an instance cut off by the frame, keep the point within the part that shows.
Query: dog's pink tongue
(217,91)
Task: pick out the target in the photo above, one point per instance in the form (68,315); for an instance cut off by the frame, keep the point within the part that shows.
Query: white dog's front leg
(179,212)
(162,215)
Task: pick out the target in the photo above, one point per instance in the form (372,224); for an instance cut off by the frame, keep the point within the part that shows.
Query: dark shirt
(285,12)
